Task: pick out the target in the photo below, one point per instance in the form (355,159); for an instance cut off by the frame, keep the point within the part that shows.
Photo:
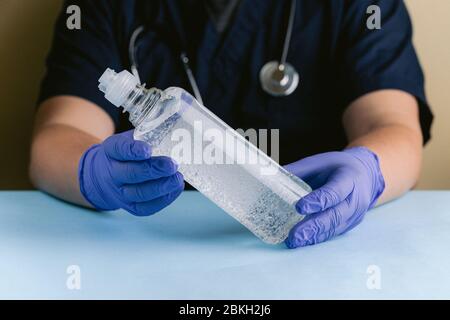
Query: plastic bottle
(214,158)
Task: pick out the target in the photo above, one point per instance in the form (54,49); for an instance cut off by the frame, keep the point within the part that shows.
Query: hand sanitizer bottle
(214,158)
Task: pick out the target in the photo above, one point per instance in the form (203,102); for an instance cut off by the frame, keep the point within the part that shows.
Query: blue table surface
(193,250)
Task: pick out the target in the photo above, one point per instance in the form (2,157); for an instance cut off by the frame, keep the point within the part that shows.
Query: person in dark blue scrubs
(353,128)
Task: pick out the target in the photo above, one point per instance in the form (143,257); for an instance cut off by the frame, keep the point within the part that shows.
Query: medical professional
(348,100)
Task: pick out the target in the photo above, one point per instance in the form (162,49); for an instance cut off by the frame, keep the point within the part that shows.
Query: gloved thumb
(305,168)
(123,147)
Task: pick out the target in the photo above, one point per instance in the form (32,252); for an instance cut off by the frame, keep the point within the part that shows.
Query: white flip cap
(117,86)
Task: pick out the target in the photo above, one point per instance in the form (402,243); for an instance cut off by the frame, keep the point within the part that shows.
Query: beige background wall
(431,20)
(25,33)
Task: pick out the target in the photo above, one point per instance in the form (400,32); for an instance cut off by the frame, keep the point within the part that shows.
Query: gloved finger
(153,189)
(139,171)
(336,189)
(123,147)
(320,227)
(142,209)
(343,229)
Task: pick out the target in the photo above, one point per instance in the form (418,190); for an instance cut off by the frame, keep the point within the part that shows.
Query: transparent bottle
(214,158)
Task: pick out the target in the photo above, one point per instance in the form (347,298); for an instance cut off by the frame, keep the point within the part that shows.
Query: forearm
(399,149)
(387,122)
(55,153)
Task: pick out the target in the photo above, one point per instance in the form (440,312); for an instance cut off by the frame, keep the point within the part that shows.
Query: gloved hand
(121,173)
(346,184)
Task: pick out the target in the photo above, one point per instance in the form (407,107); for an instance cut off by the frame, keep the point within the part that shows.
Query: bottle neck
(140,103)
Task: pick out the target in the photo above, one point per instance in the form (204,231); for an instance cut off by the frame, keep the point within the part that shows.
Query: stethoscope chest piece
(278,79)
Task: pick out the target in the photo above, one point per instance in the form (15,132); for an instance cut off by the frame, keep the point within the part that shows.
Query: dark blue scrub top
(338,59)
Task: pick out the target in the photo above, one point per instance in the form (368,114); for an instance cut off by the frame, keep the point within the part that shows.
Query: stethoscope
(277,78)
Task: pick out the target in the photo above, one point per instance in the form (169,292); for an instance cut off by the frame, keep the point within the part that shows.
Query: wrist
(371,162)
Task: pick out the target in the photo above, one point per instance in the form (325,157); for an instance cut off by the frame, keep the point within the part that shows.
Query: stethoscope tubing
(287,39)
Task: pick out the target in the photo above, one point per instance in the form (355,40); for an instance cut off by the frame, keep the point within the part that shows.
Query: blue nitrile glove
(121,173)
(346,184)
